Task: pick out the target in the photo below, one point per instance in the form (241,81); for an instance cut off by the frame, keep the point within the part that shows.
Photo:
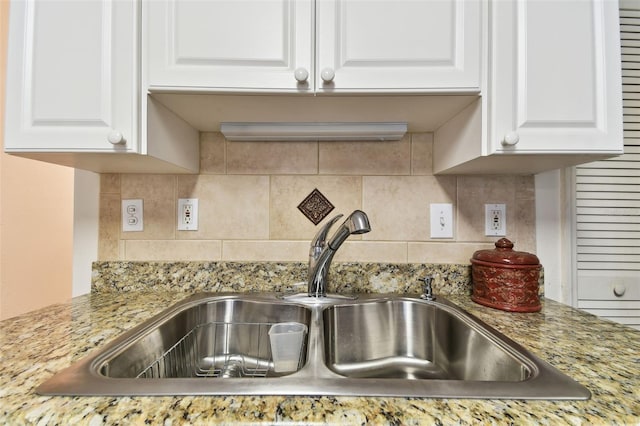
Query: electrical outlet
(495,218)
(187,214)
(441,220)
(132,215)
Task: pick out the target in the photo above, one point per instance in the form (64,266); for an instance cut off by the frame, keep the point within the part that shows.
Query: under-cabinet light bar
(313,131)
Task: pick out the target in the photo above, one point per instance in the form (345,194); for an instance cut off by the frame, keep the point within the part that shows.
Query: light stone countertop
(603,356)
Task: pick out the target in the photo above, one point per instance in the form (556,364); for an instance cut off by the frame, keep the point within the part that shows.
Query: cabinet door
(555,83)
(229,45)
(398,45)
(613,294)
(70,76)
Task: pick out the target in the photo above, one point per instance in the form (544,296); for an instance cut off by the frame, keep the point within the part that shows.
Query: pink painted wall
(36,222)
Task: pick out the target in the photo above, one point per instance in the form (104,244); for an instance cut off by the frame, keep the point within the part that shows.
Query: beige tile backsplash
(399,205)
(365,158)
(248,195)
(288,223)
(230,207)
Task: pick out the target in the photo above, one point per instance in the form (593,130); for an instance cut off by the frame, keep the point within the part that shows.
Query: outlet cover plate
(441,220)
(132,215)
(187,214)
(495,219)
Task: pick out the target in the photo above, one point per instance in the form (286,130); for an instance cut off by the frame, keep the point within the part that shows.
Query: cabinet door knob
(619,290)
(510,139)
(301,74)
(116,138)
(327,75)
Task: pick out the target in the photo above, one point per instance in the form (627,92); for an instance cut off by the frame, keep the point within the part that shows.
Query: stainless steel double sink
(376,345)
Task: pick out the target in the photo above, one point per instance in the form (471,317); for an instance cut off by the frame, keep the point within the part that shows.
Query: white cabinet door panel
(399,45)
(70,79)
(551,87)
(227,45)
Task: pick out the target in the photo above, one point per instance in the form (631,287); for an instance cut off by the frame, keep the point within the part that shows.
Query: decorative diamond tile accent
(315,207)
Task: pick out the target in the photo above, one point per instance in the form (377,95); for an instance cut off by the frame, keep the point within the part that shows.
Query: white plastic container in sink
(287,340)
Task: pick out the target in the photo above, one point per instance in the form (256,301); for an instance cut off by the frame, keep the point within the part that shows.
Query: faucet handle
(321,237)
(427,289)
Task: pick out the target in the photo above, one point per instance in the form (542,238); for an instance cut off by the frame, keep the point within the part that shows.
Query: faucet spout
(356,223)
(322,252)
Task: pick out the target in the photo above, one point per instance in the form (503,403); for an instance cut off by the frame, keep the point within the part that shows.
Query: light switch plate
(132,215)
(441,220)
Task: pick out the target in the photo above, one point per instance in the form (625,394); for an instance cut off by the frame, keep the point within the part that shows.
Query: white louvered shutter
(608,204)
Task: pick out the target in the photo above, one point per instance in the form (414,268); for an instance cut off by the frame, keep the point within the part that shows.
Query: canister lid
(504,254)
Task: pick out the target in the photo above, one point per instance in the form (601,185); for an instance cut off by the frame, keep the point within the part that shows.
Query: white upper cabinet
(229,45)
(298,46)
(552,96)
(73,91)
(507,86)
(398,45)
(556,84)
(70,82)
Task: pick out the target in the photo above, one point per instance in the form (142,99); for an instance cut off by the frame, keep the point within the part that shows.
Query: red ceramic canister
(506,279)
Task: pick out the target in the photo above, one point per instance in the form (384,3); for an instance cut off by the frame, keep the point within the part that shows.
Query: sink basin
(216,338)
(407,339)
(378,345)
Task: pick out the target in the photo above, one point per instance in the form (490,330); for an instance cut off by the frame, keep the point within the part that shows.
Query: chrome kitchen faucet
(321,252)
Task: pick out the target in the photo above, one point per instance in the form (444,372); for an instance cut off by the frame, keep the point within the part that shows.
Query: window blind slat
(608,234)
(611,250)
(629,53)
(631,81)
(631,73)
(605,243)
(585,202)
(631,36)
(632,228)
(584,212)
(607,192)
(630,63)
(609,180)
(620,164)
(613,259)
(602,266)
(629,18)
(628,221)
(626,157)
(628,12)
(603,170)
(630,43)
